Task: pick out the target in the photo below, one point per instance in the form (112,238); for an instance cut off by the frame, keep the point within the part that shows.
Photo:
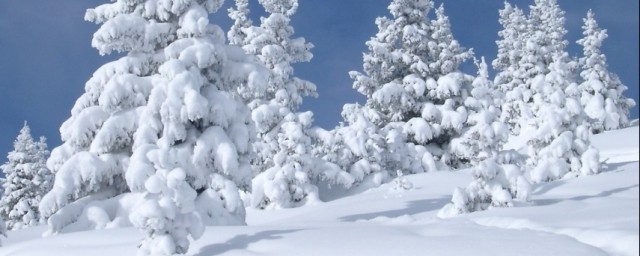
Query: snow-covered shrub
(495,184)
(290,182)
(26,180)
(356,146)
(401,182)
(601,91)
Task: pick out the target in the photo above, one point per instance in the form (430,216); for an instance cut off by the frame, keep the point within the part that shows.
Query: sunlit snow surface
(594,215)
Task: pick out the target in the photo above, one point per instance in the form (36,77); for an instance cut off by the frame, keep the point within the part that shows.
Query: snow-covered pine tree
(411,80)
(558,144)
(26,180)
(193,147)
(485,134)
(601,91)
(97,139)
(498,175)
(510,53)
(287,170)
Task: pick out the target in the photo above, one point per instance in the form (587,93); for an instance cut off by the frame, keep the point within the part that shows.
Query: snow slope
(595,215)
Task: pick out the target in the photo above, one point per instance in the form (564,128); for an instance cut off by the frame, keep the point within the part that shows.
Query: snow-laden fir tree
(498,175)
(484,134)
(411,80)
(287,170)
(193,147)
(558,142)
(510,52)
(541,41)
(601,91)
(26,180)
(97,139)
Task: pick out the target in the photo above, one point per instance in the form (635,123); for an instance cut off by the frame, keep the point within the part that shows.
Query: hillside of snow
(594,215)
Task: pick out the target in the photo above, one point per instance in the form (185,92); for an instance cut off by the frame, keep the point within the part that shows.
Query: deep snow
(594,215)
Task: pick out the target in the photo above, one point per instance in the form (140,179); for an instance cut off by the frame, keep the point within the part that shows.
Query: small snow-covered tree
(498,175)
(559,134)
(411,80)
(356,146)
(485,134)
(602,91)
(26,180)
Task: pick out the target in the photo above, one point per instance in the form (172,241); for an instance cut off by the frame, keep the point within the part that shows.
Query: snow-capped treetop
(285,7)
(514,27)
(447,55)
(548,19)
(241,21)
(602,91)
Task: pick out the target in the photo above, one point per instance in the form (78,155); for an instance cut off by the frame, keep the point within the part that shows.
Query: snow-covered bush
(601,91)
(26,180)
(356,146)
(497,182)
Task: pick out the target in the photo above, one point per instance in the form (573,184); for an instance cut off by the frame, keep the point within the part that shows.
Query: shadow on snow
(413,207)
(243,241)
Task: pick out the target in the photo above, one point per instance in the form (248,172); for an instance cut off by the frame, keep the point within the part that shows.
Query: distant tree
(411,80)
(26,180)
(601,91)
(507,64)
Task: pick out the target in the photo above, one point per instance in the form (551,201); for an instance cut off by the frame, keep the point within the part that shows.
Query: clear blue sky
(46,55)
